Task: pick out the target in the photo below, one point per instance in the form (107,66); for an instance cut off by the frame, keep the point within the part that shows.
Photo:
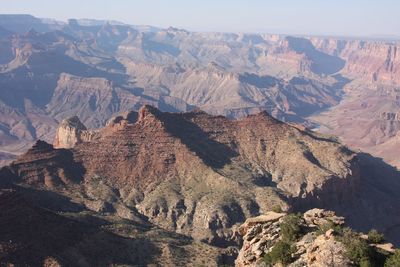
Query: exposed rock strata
(201,175)
(71,132)
(56,71)
(261,236)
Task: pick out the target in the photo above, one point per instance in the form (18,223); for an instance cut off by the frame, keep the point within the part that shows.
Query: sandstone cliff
(71,132)
(373,61)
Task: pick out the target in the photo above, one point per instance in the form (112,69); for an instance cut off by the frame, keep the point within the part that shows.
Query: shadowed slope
(31,236)
(197,174)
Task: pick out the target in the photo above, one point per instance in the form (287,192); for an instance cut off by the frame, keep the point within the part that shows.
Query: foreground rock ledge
(312,249)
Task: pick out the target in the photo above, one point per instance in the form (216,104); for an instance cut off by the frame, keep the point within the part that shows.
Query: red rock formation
(182,170)
(373,61)
(203,175)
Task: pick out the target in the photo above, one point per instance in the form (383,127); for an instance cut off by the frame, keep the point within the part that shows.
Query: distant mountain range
(51,70)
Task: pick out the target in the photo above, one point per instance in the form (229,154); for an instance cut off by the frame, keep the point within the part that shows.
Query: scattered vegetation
(280,253)
(327,226)
(394,260)
(375,237)
(366,262)
(277,209)
(291,227)
(359,250)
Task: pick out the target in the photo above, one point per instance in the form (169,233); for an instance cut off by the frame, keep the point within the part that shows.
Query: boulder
(326,251)
(318,217)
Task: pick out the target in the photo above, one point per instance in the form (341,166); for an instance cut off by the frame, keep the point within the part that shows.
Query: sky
(317,17)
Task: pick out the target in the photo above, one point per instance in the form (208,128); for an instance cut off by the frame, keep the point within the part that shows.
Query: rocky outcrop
(126,117)
(260,235)
(250,222)
(71,132)
(319,217)
(325,251)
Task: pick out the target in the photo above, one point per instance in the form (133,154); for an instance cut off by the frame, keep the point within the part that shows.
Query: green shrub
(329,225)
(394,260)
(291,227)
(277,209)
(366,262)
(357,249)
(280,253)
(375,237)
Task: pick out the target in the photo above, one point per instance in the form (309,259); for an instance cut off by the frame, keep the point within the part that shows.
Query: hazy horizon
(312,17)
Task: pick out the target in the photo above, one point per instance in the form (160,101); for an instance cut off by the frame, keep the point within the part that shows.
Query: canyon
(50,71)
(124,145)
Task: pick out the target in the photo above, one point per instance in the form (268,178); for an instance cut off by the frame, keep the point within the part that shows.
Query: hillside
(201,176)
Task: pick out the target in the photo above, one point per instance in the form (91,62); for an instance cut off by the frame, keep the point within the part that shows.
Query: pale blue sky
(327,17)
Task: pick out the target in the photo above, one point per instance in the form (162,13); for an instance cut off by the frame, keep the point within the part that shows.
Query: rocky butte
(183,183)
